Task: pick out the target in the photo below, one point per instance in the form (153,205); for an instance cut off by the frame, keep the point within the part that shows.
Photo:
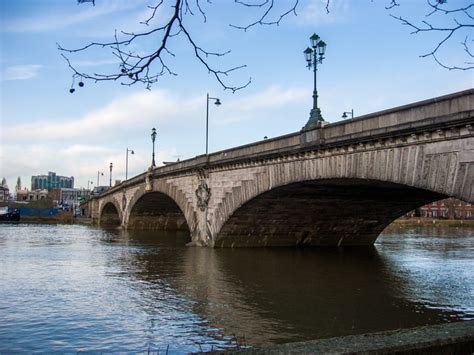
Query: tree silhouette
(147,68)
(462,19)
(18,184)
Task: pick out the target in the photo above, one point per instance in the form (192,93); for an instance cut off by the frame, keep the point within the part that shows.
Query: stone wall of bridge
(343,196)
(310,188)
(337,197)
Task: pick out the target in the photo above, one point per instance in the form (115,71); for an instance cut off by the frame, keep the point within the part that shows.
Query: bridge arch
(414,175)
(110,214)
(163,208)
(325,212)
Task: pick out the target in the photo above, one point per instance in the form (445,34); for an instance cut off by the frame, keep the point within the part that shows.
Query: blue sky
(372,63)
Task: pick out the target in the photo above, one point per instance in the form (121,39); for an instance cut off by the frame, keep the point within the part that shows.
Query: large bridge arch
(164,207)
(326,212)
(428,172)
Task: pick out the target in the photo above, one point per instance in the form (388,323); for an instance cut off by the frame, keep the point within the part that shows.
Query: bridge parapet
(416,121)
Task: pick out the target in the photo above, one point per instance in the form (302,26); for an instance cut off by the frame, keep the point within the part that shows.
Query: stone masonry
(338,185)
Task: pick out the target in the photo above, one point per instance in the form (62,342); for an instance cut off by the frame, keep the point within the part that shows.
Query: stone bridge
(337,185)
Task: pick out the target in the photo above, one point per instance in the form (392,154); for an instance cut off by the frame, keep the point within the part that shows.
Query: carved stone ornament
(202,173)
(148,177)
(203,194)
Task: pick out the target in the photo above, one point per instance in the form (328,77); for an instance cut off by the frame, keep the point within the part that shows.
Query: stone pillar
(200,234)
(94,211)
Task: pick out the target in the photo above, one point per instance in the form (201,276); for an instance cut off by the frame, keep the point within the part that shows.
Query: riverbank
(449,338)
(67,218)
(420,221)
(59,219)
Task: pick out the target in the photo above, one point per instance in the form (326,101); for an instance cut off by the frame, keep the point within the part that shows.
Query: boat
(7,216)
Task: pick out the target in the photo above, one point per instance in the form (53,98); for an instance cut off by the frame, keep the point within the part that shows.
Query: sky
(372,63)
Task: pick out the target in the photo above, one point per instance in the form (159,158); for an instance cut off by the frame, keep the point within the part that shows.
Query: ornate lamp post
(345,113)
(110,167)
(126,161)
(99,173)
(217,102)
(153,137)
(315,56)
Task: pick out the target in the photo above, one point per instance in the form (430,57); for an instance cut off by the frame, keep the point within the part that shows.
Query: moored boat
(9,216)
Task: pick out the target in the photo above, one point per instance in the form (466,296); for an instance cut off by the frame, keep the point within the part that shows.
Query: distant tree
(137,67)
(4,182)
(451,204)
(18,184)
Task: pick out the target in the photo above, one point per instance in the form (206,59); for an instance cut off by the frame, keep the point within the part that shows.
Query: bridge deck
(437,113)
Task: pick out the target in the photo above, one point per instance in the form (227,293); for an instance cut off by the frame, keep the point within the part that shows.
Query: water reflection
(73,288)
(279,295)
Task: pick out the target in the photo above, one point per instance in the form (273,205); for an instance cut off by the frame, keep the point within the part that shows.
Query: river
(79,288)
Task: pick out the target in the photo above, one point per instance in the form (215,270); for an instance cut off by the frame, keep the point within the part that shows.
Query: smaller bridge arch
(156,211)
(163,208)
(110,214)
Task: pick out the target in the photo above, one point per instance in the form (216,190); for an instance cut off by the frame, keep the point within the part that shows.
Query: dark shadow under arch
(332,212)
(156,211)
(110,217)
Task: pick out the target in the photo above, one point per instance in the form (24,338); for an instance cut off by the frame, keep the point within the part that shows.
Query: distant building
(35,195)
(22,195)
(4,193)
(51,181)
(68,197)
(449,208)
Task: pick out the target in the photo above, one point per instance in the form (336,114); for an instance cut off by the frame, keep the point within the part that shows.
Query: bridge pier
(201,235)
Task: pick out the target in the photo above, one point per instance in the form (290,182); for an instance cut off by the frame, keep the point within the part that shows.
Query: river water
(79,288)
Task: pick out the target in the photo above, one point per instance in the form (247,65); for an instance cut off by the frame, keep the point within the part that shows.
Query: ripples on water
(77,288)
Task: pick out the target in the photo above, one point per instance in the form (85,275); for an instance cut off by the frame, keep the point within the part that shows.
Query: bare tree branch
(154,8)
(446,33)
(392,4)
(267,6)
(147,68)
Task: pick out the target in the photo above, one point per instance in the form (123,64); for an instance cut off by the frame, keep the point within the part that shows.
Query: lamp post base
(316,120)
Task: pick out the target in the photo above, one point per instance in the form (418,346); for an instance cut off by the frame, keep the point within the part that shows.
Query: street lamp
(153,137)
(314,56)
(126,161)
(110,167)
(217,102)
(345,113)
(89,182)
(98,174)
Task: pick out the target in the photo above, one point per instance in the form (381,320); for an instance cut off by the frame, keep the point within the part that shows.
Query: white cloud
(149,107)
(83,145)
(315,13)
(93,63)
(78,149)
(271,98)
(76,16)
(71,161)
(21,72)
